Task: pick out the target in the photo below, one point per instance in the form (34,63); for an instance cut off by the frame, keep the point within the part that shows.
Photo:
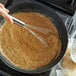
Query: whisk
(24,25)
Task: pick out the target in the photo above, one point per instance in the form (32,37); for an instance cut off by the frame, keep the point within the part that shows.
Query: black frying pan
(38,7)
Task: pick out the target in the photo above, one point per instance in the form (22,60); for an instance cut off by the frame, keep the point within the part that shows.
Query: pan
(43,9)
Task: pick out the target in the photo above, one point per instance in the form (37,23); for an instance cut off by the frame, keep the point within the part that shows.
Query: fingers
(1,5)
(4,13)
(8,18)
(6,10)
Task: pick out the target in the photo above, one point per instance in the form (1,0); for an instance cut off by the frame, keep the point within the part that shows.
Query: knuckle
(1,5)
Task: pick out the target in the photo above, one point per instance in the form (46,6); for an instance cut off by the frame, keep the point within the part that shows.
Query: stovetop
(67,6)
(64,16)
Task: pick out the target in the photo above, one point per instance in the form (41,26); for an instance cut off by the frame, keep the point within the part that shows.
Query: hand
(4,13)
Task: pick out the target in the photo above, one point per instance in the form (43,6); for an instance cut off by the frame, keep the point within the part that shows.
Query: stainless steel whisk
(24,25)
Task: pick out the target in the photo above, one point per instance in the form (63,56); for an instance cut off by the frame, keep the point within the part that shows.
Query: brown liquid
(22,48)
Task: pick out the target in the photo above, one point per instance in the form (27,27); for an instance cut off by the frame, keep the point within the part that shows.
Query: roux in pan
(22,48)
